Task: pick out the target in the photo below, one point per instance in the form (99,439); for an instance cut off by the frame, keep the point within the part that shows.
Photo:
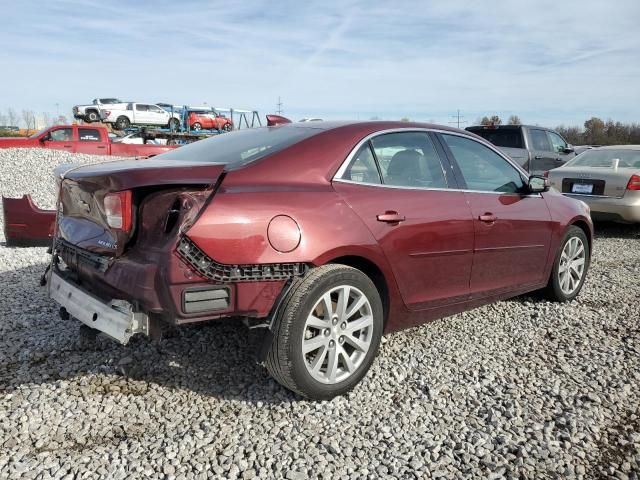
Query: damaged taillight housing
(119,210)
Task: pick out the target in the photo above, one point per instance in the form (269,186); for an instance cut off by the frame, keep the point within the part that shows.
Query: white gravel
(521,389)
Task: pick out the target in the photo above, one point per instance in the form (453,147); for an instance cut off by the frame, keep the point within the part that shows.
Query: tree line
(30,119)
(594,131)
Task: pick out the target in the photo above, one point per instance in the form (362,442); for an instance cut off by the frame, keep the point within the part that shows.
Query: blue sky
(550,62)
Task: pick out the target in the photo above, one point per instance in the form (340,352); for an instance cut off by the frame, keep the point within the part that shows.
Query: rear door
(61,138)
(512,228)
(397,184)
(543,156)
(90,141)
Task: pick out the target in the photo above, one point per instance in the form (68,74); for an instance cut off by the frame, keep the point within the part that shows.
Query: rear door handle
(102,146)
(68,146)
(390,217)
(488,218)
(538,157)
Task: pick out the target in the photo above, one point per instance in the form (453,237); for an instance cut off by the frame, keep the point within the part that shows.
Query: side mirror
(45,137)
(568,149)
(538,184)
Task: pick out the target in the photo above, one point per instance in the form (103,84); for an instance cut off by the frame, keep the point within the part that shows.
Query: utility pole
(279,110)
(458,119)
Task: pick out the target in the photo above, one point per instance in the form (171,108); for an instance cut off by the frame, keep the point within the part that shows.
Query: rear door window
(539,140)
(409,159)
(89,135)
(501,137)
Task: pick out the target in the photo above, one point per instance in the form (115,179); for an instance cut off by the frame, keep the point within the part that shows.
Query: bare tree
(514,120)
(12,118)
(405,119)
(29,118)
(61,120)
(3,120)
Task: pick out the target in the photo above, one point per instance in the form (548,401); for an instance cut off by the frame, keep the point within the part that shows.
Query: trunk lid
(605,181)
(82,220)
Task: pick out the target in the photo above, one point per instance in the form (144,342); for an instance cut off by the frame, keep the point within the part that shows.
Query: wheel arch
(371,270)
(586,228)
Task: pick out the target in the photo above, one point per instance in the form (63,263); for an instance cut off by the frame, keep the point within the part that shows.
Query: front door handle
(391,217)
(538,157)
(68,146)
(488,218)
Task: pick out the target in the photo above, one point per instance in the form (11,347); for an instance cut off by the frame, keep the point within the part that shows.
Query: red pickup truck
(82,139)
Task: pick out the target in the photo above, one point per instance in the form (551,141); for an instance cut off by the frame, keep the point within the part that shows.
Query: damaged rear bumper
(117,319)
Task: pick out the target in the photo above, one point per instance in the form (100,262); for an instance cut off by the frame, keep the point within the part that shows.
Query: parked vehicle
(536,149)
(209,121)
(82,139)
(137,138)
(141,114)
(92,113)
(607,179)
(323,234)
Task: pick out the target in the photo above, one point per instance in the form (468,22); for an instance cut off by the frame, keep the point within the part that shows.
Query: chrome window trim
(343,167)
(571,194)
(342,180)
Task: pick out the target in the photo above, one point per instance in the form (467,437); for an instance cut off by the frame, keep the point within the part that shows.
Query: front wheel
(196,126)
(123,123)
(227,127)
(327,332)
(570,266)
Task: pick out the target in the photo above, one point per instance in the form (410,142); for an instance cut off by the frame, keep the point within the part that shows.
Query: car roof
(372,125)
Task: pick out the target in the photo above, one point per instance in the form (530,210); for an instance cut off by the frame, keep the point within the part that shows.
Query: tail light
(634,183)
(118,209)
(107,113)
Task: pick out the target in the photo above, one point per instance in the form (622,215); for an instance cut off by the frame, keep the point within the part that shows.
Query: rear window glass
(242,146)
(501,137)
(605,158)
(89,135)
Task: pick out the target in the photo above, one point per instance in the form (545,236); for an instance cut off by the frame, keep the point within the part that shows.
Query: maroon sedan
(325,235)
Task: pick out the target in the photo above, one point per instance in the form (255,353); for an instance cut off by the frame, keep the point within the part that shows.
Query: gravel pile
(521,389)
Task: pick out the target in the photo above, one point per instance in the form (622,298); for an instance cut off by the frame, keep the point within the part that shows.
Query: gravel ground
(521,389)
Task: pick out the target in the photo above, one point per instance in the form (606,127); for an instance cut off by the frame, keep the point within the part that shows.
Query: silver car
(607,179)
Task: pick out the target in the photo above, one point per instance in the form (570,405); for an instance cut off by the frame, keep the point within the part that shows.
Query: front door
(61,139)
(398,187)
(543,156)
(512,227)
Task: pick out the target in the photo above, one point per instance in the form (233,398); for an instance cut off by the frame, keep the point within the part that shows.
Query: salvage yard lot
(523,388)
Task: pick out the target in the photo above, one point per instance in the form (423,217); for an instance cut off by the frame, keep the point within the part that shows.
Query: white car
(141,114)
(136,139)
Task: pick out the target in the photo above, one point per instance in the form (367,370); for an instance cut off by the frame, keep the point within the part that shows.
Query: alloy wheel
(337,334)
(571,268)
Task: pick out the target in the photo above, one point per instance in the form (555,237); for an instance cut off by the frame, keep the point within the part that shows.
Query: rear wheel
(174,124)
(196,126)
(570,266)
(327,332)
(122,123)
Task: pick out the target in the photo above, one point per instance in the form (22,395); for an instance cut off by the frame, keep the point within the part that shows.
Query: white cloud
(550,62)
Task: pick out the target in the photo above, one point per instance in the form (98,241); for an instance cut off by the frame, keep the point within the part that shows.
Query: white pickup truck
(92,113)
(140,114)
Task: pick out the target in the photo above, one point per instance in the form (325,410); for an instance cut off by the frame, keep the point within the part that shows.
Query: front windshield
(605,158)
(242,146)
(38,133)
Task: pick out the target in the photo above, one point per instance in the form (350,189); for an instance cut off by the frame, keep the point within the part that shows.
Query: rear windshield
(242,146)
(501,137)
(605,158)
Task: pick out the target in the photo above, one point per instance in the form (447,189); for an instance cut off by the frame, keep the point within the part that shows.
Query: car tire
(92,116)
(196,126)
(174,124)
(122,123)
(227,127)
(569,267)
(303,318)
